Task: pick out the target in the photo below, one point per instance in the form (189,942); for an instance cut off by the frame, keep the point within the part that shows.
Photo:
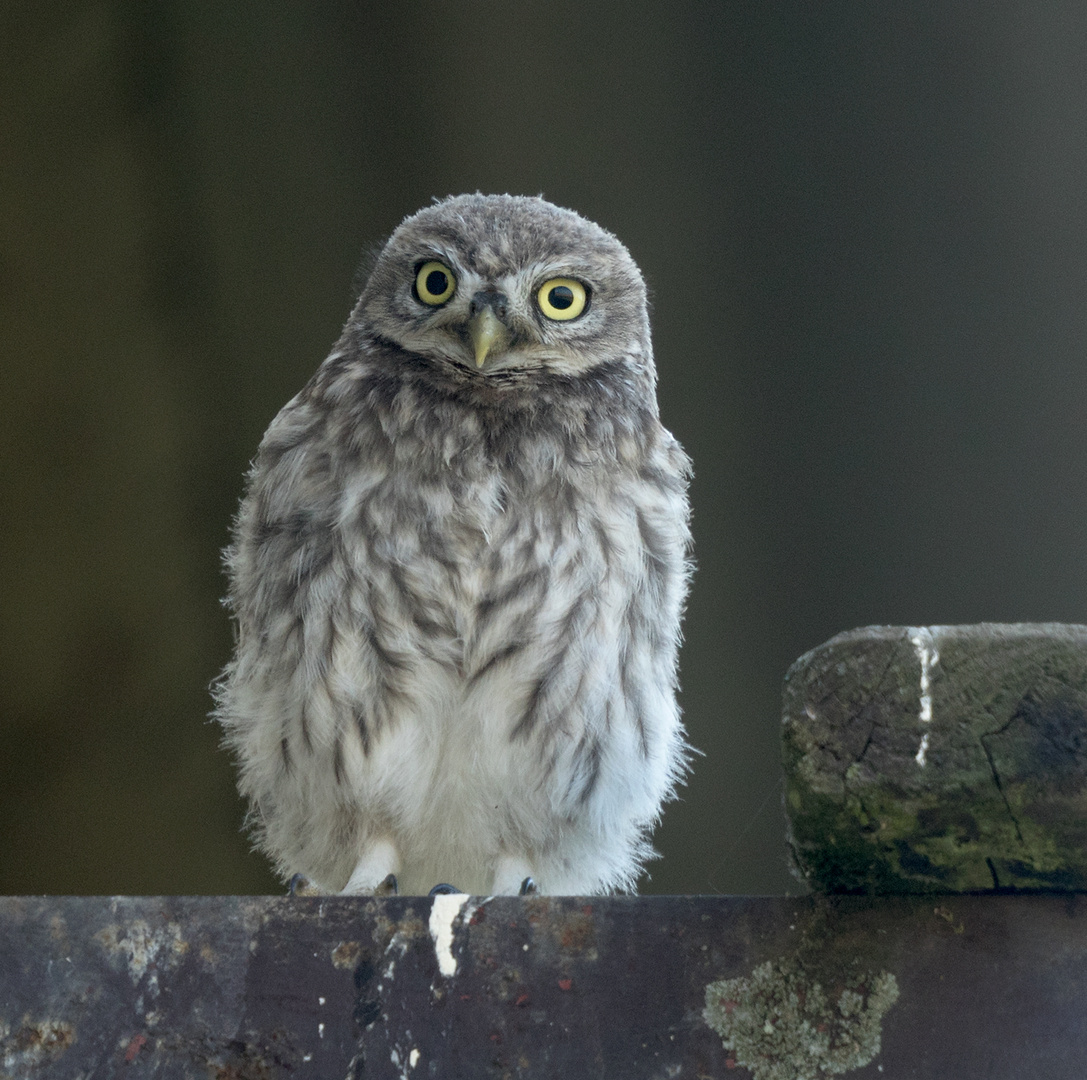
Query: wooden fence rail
(258,988)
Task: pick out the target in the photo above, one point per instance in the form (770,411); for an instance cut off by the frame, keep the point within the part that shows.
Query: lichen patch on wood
(780,1023)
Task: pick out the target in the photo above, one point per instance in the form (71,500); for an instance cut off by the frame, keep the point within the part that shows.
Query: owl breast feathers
(459,569)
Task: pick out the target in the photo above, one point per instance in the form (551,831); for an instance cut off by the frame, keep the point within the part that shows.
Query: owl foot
(302,886)
(443,890)
(375,873)
(513,876)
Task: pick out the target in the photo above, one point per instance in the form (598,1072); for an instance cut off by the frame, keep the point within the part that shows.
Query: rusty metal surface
(258,988)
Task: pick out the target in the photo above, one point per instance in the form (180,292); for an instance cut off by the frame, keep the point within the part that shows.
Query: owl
(458,574)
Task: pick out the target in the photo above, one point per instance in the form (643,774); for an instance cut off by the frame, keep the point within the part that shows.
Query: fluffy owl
(458,573)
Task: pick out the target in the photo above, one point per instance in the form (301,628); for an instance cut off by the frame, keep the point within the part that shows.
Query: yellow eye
(434,283)
(562,298)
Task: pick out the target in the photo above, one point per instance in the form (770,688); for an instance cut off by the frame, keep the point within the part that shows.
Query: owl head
(494,287)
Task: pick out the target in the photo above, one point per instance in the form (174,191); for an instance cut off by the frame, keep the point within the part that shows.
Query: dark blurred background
(865,231)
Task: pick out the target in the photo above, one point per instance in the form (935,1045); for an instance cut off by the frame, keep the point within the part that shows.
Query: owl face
(492,284)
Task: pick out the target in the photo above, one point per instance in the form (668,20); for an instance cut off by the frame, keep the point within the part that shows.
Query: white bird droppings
(413,1058)
(442,913)
(921,639)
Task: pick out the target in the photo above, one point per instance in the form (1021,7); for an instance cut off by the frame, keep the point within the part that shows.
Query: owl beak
(486,331)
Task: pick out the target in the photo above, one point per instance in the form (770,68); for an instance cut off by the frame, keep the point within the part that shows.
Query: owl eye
(562,298)
(434,283)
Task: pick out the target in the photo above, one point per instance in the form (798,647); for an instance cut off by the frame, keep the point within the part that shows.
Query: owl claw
(528,888)
(302,886)
(443,890)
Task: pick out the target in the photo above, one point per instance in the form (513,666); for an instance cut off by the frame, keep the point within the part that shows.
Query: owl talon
(528,888)
(443,890)
(387,887)
(302,886)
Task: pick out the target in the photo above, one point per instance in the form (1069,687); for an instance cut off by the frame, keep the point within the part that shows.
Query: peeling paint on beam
(237,988)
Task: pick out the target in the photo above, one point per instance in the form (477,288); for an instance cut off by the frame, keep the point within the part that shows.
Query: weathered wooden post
(929,772)
(942,759)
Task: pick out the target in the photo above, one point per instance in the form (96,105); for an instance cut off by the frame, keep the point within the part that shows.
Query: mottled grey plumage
(458,573)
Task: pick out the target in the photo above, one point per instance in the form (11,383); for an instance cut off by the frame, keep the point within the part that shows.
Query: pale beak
(486,330)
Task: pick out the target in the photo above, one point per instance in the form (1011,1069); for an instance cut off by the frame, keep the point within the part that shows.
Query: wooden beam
(241,988)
